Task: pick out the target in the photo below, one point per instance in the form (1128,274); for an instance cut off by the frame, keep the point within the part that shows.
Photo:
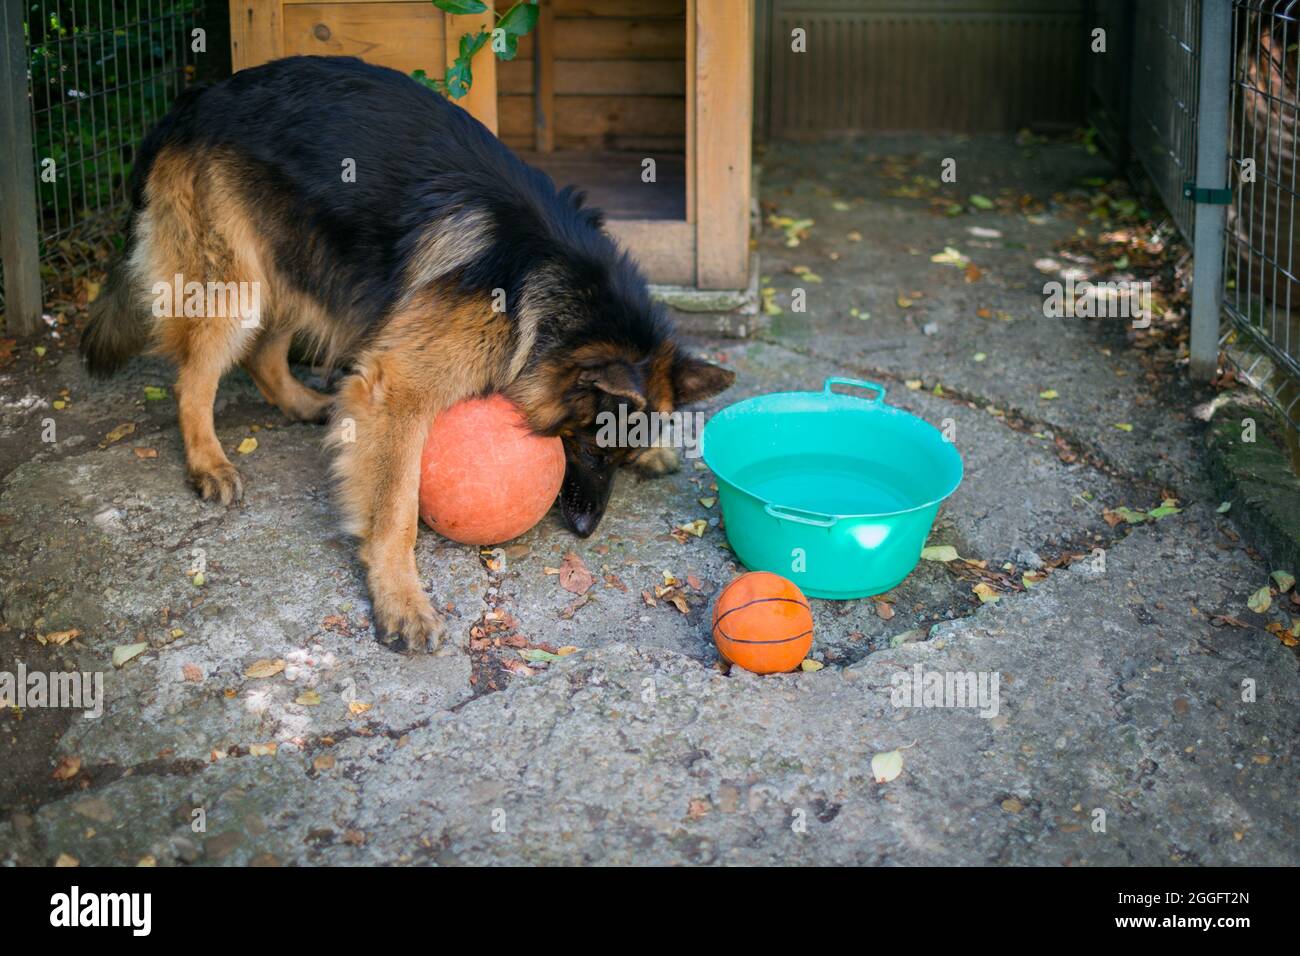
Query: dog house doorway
(645,105)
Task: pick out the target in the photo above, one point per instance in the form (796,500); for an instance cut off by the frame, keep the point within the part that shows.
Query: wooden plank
(620,8)
(664,249)
(403,36)
(609,39)
(688,76)
(255,33)
(544,80)
(600,120)
(606,77)
(20,247)
(724,48)
(481,100)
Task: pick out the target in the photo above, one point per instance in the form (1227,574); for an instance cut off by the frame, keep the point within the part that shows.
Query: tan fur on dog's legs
(269,366)
(380,433)
(416,369)
(210,470)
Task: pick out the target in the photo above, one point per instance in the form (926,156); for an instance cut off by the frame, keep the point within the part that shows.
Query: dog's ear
(615,379)
(695,380)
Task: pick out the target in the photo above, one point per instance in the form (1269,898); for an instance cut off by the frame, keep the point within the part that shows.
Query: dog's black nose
(584,523)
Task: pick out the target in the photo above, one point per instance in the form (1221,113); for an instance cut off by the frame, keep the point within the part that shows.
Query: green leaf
(519,20)
(1224,508)
(534,655)
(1260,601)
(435,83)
(510,42)
(460,8)
(1164,511)
(1131,516)
(152,393)
(981,202)
(471,44)
(1284,580)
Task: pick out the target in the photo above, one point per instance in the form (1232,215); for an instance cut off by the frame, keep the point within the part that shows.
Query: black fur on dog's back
(419,159)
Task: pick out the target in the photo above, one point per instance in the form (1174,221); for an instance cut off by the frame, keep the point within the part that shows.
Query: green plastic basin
(831,489)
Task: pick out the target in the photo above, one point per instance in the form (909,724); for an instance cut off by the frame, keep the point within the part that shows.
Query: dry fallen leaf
(262,750)
(574,576)
(887,766)
(986,593)
(192,673)
(117,434)
(247,446)
(939,552)
(810,665)
(264,668)
(126,652)
(68,768)
(1260,601)
(884,611)
(59,638)
(357,707)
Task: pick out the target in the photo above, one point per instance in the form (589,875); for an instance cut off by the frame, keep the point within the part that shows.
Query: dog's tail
(119,324)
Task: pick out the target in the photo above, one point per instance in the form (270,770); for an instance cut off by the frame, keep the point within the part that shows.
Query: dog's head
(604,369)
(613,404)
(611,421)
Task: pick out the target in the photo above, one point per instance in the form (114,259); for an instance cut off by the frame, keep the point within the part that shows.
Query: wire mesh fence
(1150,113)
(99,74)
(1262,245)
(1163,108)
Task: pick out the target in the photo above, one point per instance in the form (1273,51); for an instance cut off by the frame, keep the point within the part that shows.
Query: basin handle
(800,516)
(829,388)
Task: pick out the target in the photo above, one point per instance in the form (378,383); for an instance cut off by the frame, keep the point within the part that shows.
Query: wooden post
(256,33)
(19,237)
(724,100)
(481,100)
(544,79)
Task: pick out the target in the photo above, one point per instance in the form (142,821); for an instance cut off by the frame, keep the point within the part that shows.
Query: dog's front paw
(657,460)
(405,621)
(218,483)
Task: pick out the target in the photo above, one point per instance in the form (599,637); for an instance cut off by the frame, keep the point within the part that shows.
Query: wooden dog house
(598,89)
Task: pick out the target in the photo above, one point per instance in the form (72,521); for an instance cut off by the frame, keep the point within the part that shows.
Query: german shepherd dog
(391,229)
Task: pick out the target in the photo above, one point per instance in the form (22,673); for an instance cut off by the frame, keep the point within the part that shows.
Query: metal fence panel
(1166,45)
(100,73)
(1262,255)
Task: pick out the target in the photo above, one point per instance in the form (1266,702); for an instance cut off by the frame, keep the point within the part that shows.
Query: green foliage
(518,21)
(101,75)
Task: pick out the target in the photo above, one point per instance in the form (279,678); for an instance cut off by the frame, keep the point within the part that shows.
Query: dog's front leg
(379,428)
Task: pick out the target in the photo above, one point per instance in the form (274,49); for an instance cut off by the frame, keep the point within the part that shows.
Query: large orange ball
(484,476)
(762,622)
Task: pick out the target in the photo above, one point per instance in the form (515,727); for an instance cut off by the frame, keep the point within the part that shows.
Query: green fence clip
(1208,197)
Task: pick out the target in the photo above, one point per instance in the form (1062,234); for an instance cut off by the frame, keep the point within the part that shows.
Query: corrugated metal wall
(939,65)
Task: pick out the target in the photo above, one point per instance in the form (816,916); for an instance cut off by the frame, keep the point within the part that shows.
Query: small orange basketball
(762,622)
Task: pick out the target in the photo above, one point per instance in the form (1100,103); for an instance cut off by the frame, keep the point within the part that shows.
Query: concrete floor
(1124,732)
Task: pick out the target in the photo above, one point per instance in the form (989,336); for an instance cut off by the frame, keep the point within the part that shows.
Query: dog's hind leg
(268,364)
(187,240)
